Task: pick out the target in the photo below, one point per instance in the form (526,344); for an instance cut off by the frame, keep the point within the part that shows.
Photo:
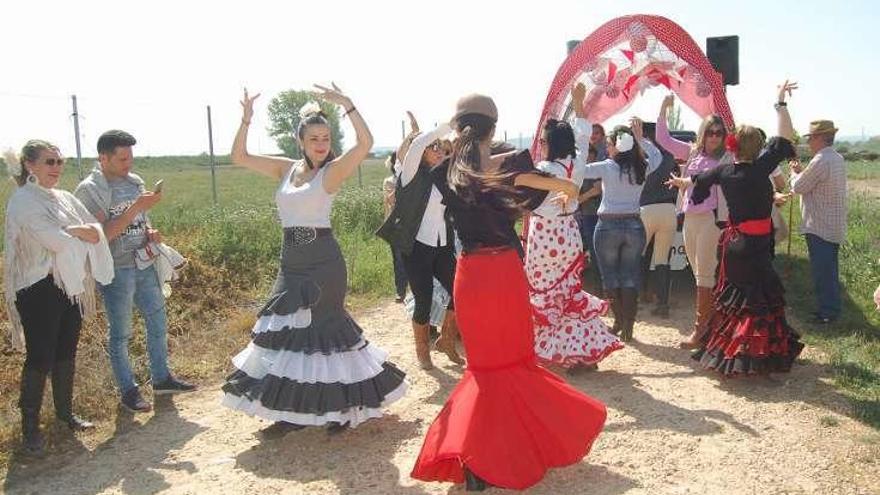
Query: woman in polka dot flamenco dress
(568,330)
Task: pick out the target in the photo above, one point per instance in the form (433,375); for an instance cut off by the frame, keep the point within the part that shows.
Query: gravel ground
(671,429)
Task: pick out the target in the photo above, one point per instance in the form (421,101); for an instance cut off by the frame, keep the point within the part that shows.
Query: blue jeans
(587,225)
(619,243)
(131,287)
(824,267)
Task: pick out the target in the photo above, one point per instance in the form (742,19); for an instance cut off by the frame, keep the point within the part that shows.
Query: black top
(487,222)
(402,225)
(655,191)
(746,186)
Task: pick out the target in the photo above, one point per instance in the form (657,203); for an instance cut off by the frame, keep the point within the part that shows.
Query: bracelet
(780,104)
(353,108)
(245,122)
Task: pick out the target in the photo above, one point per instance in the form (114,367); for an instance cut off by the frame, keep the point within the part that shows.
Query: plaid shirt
(822,186)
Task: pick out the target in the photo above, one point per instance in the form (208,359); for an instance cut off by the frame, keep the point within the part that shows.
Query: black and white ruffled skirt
(308,362)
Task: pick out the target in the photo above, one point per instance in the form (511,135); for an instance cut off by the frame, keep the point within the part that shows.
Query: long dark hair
(313,118)
(466,175)
(466,170)
(631,162)
(559,139)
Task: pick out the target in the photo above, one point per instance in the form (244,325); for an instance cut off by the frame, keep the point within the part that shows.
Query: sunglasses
(53,162)
(715,133)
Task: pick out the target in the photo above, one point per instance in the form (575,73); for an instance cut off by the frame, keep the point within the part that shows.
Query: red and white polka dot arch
(628,55)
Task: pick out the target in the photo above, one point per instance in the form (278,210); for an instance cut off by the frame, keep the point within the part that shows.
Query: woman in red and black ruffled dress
(748,334)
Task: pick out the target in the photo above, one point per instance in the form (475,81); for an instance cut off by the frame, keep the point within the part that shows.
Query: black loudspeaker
(723,52)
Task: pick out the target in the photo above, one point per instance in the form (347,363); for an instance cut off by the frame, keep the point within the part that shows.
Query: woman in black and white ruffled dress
(309,363)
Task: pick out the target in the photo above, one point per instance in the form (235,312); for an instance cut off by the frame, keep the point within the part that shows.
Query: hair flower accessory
(625,142)
(310,108)
(731,143)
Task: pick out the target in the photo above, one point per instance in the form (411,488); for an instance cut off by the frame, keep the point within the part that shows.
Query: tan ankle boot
(448,338)
(423,348)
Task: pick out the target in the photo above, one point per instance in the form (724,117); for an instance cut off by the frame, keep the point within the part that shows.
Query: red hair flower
(731,143)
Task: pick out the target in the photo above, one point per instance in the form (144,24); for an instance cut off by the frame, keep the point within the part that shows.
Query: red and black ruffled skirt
(748,333)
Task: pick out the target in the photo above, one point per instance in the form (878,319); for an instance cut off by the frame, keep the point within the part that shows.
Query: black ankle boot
(661,288)
(33,382)
(617,309)
(474,483)
(62,393)
(629,302)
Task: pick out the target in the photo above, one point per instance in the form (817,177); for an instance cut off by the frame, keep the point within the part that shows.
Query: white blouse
(432,230)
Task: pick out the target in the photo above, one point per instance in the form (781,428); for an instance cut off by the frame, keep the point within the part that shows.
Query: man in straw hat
(822,186)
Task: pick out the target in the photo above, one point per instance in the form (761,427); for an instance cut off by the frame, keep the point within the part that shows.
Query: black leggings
(423,265)
(51,324)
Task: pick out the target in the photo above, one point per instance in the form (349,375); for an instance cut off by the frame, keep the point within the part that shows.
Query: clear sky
(152,67)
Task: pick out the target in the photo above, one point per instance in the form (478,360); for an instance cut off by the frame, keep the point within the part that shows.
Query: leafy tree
(284,118)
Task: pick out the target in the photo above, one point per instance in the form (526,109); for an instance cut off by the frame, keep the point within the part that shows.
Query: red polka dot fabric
(568,330)
(627,55)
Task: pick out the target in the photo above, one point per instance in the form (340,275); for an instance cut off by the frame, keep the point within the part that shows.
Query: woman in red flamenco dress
(508,420)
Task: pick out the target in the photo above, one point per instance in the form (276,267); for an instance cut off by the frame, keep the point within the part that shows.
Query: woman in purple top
(700,230)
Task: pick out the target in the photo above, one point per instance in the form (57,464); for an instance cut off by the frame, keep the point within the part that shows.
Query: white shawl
(35,221)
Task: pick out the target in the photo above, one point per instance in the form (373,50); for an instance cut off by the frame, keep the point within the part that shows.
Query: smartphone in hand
(157,188)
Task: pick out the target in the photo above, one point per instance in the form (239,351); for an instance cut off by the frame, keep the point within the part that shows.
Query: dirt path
(671,429)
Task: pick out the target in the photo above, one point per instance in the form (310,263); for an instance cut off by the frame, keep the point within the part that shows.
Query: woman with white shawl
(55,251)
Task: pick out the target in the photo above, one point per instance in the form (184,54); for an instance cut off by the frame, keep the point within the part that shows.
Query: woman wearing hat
(748,333)
(309,363)
(508,420)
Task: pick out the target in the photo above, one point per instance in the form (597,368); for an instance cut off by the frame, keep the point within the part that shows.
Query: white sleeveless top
(305,206)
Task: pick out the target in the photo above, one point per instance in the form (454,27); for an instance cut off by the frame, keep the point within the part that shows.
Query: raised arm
(341,168)
(652,154)
(407,141)
(267,165)
(410,162)
(786,129)
(678,149)
(582,127)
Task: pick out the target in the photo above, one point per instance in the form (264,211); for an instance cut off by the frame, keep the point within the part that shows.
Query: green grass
(853,342)
(862,170)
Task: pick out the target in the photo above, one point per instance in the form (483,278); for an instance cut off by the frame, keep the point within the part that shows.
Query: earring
(32,178)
